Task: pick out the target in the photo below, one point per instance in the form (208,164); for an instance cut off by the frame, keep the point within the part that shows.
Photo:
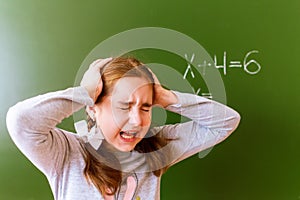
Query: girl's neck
(112,149)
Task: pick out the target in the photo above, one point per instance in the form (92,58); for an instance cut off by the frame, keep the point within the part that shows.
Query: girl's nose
(135,118)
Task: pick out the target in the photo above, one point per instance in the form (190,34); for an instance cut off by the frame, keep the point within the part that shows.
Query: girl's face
(125,116)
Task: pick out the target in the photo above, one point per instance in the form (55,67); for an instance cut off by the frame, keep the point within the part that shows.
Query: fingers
(92,77)
(99,63)
(156,81)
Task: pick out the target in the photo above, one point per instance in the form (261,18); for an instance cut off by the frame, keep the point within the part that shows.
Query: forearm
(32,126)
(205,112)
(42,113)
(212,122)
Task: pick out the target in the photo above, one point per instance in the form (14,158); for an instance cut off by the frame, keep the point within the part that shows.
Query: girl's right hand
(163,97)
(92,78)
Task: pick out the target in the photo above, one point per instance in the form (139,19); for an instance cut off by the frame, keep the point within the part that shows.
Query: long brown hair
(97,170)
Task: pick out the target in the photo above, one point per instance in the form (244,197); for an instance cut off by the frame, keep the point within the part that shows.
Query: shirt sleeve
(32,126)
(211,123)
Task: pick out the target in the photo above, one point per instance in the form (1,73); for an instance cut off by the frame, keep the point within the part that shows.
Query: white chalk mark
(235,64)
(207,95)
(204,66)
(189,68)
(224,63)
(196,92)
(246,64)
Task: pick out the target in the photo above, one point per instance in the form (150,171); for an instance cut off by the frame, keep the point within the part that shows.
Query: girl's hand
(92,78)
(163,97)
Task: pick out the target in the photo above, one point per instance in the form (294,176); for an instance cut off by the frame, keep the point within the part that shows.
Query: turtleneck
(131,161)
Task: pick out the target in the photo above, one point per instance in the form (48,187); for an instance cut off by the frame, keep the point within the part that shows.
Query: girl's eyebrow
(124,103)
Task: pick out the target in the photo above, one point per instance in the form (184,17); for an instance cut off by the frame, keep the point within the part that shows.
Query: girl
(116,155)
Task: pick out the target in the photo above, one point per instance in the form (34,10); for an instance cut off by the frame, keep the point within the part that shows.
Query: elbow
(12,116)
(231,125)
(15,119)
(237,119)
(234,122)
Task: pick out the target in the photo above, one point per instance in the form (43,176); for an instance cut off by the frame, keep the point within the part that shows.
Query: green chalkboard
(245,54)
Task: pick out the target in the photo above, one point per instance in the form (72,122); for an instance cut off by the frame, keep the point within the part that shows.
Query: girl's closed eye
(128,108)
(146,107)
(124,108)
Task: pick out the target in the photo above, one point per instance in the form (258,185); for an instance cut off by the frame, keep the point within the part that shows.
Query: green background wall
(43,43)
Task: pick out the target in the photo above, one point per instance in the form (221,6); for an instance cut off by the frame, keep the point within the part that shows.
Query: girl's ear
(91,112)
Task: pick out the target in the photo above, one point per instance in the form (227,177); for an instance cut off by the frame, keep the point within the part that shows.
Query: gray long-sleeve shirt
(59,155)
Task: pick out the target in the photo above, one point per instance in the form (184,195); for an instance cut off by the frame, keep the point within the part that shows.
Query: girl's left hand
(92,78)
(163,97)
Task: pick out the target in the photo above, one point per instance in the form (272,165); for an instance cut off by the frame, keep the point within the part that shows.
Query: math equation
(223,64)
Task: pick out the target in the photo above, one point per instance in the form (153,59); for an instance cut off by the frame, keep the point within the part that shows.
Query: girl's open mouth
(128,136)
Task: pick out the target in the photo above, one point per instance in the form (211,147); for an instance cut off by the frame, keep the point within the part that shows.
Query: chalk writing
(245,63)
(204,94)
(189,68)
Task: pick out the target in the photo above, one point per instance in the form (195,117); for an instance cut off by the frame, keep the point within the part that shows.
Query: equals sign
(235,64)
(207,95)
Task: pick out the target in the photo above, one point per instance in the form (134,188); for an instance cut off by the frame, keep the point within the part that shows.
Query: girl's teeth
(127,135)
